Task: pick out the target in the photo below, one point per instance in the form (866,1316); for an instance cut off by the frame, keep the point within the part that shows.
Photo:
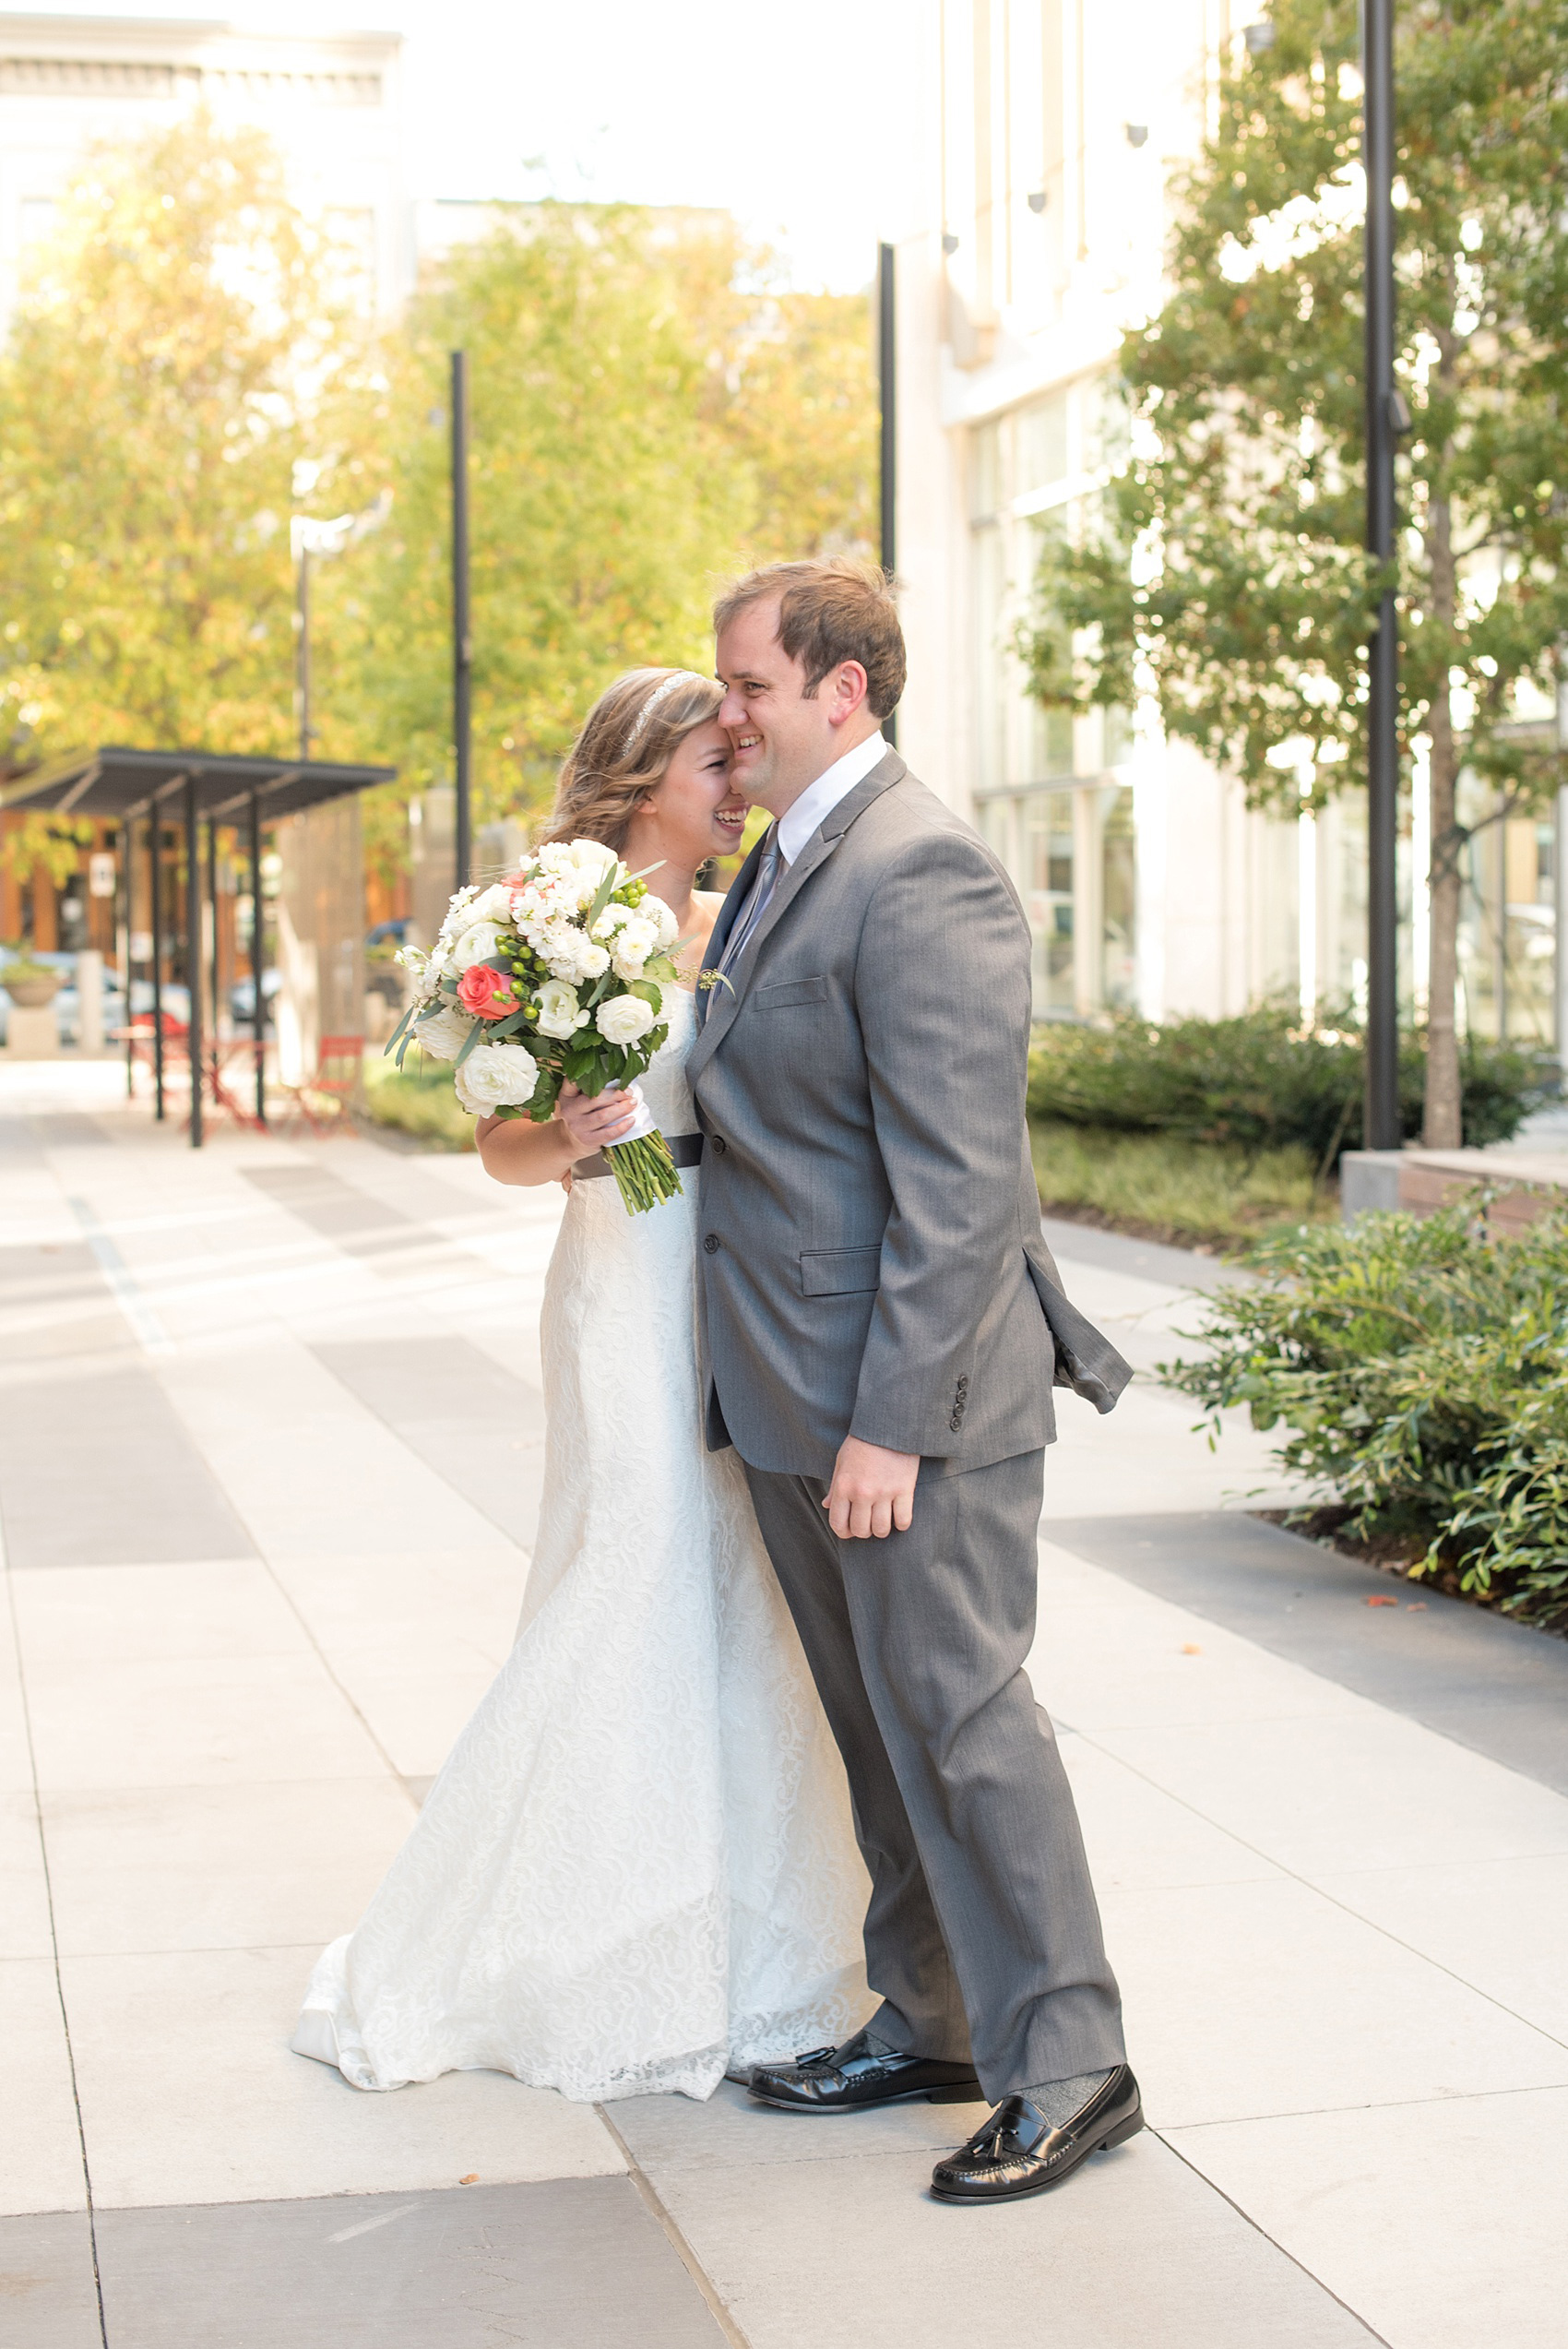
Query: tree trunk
(1441,1126)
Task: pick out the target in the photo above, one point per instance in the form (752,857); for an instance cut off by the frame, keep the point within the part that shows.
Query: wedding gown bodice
(636,1868)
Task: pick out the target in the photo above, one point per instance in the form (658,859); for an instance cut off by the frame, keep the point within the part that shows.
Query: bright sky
(796,117)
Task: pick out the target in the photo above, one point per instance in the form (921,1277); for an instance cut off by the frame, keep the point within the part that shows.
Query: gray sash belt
(685,1149)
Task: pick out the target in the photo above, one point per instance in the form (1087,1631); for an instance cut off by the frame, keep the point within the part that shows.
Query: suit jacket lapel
(725,1001)
(728,912)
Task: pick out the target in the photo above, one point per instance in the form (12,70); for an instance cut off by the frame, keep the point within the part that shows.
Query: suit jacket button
(720,1145)
(711,1244)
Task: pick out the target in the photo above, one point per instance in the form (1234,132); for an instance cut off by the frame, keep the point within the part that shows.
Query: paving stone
(149,1496)
(48,2298)
(821,2233)
(573,2263)
(1496,1687)
(436,1392)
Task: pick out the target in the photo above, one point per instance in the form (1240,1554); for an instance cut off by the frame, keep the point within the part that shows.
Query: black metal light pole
(462,648)
(887,386)
(1383,700)
(194,976)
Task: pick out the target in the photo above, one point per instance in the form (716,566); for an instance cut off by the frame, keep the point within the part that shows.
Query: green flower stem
(645,1173)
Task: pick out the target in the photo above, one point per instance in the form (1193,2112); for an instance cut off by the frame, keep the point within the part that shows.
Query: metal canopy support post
(258,933)
(215,984)
(155,916)
(887,386)
(1383,1131)
(462,647)
(125,858)
(194,973)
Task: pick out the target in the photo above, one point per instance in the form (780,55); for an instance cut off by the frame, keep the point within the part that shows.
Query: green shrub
(1258,1081)
(1420,1370)
(1166,1189)
(418,1098)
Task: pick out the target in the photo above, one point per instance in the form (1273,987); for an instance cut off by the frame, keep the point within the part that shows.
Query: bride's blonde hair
(627,741)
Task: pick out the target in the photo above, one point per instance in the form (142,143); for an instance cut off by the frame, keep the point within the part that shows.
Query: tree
(642,422)
(1222,571)
(153,396)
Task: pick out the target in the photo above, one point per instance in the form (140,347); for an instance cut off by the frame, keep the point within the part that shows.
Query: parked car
(242,997)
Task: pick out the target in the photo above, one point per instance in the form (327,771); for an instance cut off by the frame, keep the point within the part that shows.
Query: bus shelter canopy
(121,785)
(190,788)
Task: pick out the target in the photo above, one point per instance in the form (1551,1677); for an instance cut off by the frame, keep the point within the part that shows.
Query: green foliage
(648,414)
(1204,1195)
(419,1099)
(641,426)
(1420,1370)
(1258,1081)
(1224,570)
(150,408)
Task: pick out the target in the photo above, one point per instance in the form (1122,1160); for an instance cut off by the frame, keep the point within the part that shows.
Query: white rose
(444,1034)
(624,1019)
(495,1076)
(477,944)
(559,1014)
(593,856)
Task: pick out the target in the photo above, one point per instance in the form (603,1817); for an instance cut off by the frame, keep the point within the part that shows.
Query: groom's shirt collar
(819,799)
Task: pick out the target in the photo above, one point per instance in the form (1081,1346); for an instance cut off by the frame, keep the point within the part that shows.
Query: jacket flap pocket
(835,1273)
(786,991)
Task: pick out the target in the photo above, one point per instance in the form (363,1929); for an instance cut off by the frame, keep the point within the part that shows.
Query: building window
(1054,793)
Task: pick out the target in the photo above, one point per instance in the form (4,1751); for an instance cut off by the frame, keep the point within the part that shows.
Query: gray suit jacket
(870,1251)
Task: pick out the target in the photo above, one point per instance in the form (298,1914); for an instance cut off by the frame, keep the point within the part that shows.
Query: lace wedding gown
(636,1869)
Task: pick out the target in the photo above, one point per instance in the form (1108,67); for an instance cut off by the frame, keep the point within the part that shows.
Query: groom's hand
(872,1491)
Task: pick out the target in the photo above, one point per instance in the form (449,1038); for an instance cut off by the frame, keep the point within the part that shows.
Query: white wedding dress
(636,1869)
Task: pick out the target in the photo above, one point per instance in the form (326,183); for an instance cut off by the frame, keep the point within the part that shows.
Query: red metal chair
(337,1078)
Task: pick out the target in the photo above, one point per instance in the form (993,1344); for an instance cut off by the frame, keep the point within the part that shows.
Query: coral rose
(489,995)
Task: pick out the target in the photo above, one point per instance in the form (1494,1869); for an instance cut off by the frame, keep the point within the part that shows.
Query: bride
(635,1871)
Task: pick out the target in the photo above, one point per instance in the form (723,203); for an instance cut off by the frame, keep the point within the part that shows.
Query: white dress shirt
(819,799)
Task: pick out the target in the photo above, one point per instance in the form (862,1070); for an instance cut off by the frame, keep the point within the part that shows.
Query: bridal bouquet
(550,976)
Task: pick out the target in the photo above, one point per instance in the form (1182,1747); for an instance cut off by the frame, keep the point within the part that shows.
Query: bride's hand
(593,1123)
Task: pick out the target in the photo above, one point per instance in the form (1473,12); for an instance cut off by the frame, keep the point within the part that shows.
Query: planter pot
(31,994)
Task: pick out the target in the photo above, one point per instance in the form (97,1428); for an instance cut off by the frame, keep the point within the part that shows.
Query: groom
(884,1328)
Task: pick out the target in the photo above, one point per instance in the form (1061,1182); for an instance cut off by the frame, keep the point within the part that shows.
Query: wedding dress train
(636,1869)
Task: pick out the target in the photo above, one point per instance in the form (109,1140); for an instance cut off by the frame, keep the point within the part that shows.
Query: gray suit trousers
(983,1933)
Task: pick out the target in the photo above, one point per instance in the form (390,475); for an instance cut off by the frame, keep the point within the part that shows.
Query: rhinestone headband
(660,693)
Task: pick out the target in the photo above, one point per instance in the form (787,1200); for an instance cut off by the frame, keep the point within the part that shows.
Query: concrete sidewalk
(259,1569)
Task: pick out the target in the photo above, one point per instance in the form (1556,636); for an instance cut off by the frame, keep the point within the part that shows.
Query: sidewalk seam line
(54,1948)
(654,2205)
(1300,2265)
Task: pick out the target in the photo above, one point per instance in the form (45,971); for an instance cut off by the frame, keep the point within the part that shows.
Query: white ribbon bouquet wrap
(553,976)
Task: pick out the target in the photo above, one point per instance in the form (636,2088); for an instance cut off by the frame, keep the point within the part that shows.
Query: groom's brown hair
(830,611)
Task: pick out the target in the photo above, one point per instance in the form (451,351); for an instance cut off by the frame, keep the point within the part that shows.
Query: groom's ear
(847,689)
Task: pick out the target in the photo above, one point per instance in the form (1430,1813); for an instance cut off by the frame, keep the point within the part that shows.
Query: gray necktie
(755,906)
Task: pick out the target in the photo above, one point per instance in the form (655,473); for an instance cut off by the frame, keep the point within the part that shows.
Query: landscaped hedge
(418,1098)
(1421,1371)
(1258,1080)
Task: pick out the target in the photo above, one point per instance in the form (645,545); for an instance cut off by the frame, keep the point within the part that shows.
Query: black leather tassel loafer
(851,2079)
(1019,2152)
